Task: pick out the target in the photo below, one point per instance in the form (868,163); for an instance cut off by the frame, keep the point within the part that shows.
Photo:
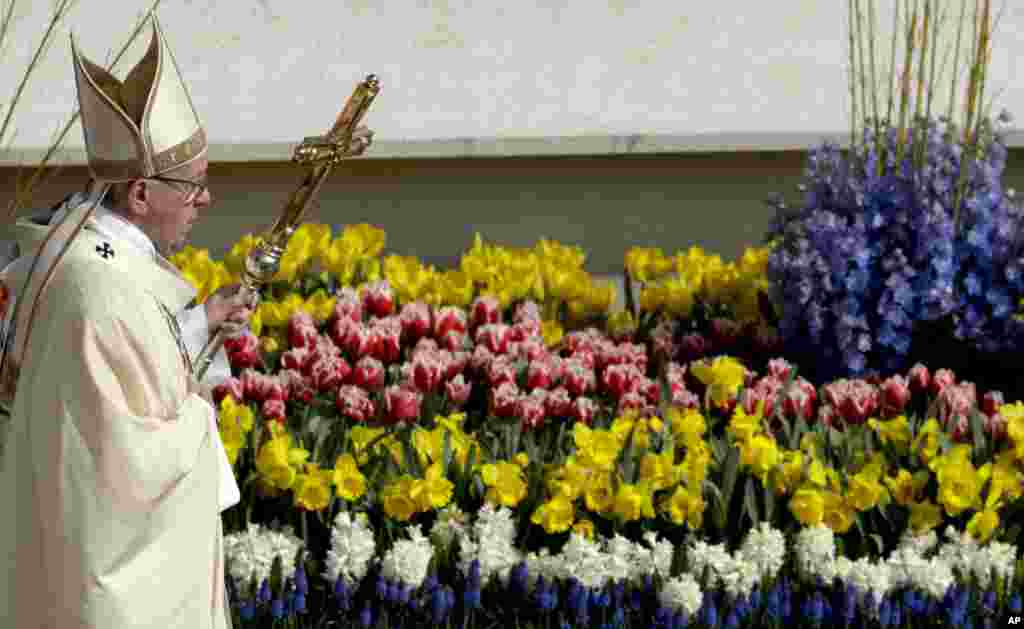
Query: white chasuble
(112,475)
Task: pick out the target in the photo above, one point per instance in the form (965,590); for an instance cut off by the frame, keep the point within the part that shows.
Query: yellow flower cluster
(414,281)
(405,496)
(204,274)
(235,421)
(822,494)
(595,479)
(758,451)
(275,314)
(283,465)
(351,256)
(675,283)
(825,496)
(550,273)
(723,377)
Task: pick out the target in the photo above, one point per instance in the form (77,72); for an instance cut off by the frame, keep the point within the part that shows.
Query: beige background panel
(269,72)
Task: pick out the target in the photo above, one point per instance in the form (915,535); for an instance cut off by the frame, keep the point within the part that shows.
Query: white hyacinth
(908,568)
(543,563)
(585,560)
(919,543)
(352,548)
(734,573)
(815,546)
(661,554)
(250,554)
(765,548)
(682,593)
(409,559)
(867,575)
(985,563)
(703,556)
(450,523)
(491,542)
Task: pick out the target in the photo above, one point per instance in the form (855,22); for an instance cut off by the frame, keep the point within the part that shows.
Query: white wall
(488,78)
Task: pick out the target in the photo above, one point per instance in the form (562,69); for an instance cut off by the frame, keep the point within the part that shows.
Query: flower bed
(438,441)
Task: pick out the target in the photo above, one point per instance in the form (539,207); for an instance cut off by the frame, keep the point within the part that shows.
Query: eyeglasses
(193,189)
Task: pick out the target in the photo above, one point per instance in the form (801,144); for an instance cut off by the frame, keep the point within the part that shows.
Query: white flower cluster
(250,554)
(491,541)
(352,548)
(409,559)
(595,563)
(449,525)
(765,547)
(682,593)
(916,563)
(758,560)
(815,547)
(986,563)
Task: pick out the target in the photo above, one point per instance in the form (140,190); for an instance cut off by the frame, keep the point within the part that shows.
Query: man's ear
(137,198)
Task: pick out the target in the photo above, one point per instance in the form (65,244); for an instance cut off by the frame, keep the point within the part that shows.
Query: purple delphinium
(872,252)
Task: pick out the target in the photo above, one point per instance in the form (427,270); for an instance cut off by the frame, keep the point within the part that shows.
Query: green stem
(862,63)
(627,285)
(893,81)
(919,149)
(59,12)
(853,77)
(872,26)
(905,95)
(956,59)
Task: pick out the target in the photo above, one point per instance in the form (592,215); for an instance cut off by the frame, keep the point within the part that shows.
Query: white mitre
(142,127)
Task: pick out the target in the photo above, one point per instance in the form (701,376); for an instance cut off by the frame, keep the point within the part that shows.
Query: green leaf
(412,462)
(626,456)
(769,503)
(730,472)
(446,453)
(879,543)
(750,502)
(978,431)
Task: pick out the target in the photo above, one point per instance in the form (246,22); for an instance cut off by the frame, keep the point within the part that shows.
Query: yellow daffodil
(349,482)
(895,432)
(685,506)
(864,491)
(761,454)
(808,506)
(555,515)
(723,376)
(688,424)
(983,524)
(959,486)
(584,528)
(506,485)
(838,514)
(598,494)
(743,426)
(434,491)
(924,516)
(905,487)
(313,488)
(276,461)
(633,502)
(397,499)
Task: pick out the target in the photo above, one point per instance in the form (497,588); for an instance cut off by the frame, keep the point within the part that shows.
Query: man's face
(173,205)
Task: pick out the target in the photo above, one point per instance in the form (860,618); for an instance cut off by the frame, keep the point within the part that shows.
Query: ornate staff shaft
(320,154)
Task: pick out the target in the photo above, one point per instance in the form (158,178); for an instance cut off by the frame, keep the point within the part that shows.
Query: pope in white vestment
(113,474)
